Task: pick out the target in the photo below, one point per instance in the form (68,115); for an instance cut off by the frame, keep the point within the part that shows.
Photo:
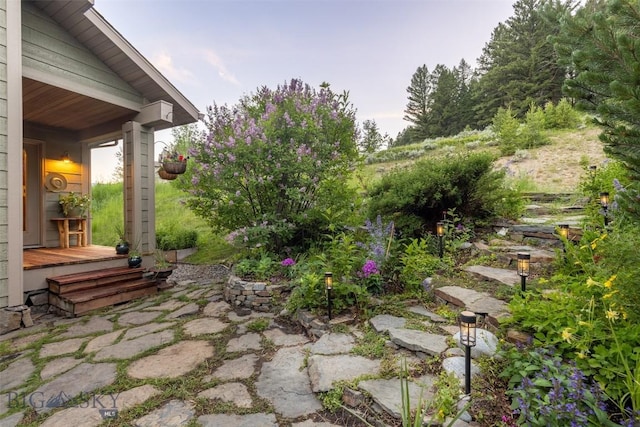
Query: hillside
(553,168)
(557,168)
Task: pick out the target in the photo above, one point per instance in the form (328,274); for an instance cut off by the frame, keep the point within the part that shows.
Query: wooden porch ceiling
(51,106)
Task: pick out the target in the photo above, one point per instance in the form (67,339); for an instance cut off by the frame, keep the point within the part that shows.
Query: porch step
(77,294)
(69,283)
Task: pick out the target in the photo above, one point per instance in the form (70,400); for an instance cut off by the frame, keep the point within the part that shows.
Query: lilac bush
(271,167)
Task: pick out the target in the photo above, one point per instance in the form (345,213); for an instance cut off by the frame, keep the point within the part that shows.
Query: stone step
(480,303)
(507,277)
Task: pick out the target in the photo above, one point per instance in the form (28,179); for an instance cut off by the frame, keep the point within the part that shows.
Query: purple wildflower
(288,262)
(370,268)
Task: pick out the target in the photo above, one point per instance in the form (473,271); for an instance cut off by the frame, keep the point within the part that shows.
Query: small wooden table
(65,230)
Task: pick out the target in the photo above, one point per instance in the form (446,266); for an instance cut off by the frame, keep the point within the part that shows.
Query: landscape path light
(524,263)
(563,230)
(440,233)
(467,321)
(328,282)
(604,202)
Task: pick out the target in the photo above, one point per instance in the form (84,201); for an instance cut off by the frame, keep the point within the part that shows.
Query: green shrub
(418,263)
(174,238)
(416,197)
(506,126)
(532,133)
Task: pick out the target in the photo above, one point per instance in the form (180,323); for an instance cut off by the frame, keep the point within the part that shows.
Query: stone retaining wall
(257,296)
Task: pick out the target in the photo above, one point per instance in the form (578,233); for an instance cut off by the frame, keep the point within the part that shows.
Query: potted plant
(135,258)
(172,162)
(74,204)
(161,269)
(122,245)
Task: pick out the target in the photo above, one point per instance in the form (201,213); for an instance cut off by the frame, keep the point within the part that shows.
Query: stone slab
(61,347)
(89,414)
(215,309)
(101,341)
(235,393)
(250,341)
(169,305)
(507,277)
(129,348)
(94,325)
(84,378)
(383,322)
(241,368)
(137,318)
(388,393)
(203,326)
(422,311)
(146,329)
(172,414)
(325,370)
(187,310)
(16,374)
(283,383)
(415,340)
(456,366)
(250,420)
(58,366)
(172,361)
(282,339)
(333,344)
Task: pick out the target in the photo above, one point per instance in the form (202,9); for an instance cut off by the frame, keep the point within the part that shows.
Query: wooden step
(69,283)
(83,301)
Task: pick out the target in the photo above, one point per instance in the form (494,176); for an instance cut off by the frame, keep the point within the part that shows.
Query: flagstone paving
(102,366)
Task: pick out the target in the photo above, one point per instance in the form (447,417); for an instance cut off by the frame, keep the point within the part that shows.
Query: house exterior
(69,84)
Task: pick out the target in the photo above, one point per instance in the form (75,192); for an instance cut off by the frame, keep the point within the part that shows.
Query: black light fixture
(440,233)
(328,282)
(467,322)
(65,157)
(604,202)
(524,263)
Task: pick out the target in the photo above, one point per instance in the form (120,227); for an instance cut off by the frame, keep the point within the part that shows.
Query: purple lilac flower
(288,262)
(369,268)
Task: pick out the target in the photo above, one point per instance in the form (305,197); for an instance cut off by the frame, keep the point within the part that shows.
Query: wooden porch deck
(53,257)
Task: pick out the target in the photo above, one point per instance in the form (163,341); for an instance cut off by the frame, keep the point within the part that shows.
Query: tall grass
(171,214)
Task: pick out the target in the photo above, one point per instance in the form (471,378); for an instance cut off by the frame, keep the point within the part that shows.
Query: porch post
(11,229)
(139,185)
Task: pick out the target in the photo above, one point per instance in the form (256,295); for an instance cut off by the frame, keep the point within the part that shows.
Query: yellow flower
(583,323)
(591,282)
(609,282)
(612,314)
(566,334)
(581,355)
(609,295)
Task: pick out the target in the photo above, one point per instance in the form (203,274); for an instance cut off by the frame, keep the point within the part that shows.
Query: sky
(217,51)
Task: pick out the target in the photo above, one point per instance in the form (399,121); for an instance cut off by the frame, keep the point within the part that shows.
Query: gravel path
(202,274)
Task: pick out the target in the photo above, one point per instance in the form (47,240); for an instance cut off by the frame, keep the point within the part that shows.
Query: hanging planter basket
(175,167)
(166,175)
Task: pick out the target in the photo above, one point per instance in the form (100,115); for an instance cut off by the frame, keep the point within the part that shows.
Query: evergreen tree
(519,65)
(371,140)
(601,42)
(419,91)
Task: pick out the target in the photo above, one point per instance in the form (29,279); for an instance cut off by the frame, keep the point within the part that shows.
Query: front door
(32,194)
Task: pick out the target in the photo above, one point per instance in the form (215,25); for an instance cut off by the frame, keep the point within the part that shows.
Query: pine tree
(602,42)
(519,65)
(418,107)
